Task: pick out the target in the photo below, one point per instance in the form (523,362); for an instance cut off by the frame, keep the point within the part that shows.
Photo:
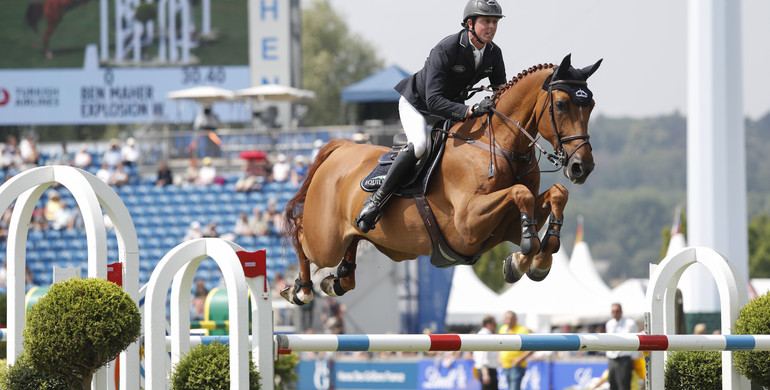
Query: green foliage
(79,326)
(686,370)
(146,12)
(23,376)
(754,319)
(332,59)
(759,246)
(285,371)
(489,268)
(207,367)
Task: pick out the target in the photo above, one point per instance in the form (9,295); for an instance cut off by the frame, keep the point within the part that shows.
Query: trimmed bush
(754,319)
(285,371)
(207,367)
(687,370)
(79,326)
(22,376)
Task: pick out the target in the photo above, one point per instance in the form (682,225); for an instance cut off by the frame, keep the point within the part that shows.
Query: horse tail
(295,208)
(34,13)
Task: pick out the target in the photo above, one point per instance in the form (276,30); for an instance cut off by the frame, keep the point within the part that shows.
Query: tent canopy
(376,88)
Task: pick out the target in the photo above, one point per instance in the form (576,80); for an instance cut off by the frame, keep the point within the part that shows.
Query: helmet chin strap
(473,30)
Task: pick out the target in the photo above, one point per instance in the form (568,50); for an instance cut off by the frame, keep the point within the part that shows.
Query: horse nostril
(577,170)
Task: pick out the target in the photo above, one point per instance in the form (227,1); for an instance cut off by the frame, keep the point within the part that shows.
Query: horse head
(569,103)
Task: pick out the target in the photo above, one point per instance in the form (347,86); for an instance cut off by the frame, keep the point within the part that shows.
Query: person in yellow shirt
(514,363)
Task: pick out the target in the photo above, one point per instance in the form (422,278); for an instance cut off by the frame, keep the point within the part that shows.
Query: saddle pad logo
(458,68)
(581,93)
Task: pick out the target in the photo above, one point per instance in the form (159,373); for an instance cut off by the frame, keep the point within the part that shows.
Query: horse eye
(561,106)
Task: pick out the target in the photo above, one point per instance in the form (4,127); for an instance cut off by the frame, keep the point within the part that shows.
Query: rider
(439,90)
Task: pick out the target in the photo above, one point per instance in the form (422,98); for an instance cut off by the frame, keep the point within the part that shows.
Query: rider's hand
(483,107)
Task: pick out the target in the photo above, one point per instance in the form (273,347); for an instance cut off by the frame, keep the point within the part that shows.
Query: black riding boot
(370,213)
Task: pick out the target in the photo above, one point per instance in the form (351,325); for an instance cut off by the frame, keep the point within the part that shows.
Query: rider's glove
(483,107)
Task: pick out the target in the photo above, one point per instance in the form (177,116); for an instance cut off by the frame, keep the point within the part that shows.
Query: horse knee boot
(370,213)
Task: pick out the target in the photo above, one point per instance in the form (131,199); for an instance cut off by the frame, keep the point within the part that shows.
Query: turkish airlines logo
(5,97)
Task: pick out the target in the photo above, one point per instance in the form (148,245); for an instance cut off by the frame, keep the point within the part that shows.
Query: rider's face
(485,27)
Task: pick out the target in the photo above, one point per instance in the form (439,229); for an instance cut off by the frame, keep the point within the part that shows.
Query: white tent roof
(582,266)
(563,298)
(204,93)
(470,299)
(276,92)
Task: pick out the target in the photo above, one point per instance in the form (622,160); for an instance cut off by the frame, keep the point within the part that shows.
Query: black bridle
(561,154)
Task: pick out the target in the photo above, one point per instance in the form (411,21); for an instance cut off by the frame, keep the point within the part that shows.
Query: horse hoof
(537,275)
(510,272)
(289,295)
(331,286)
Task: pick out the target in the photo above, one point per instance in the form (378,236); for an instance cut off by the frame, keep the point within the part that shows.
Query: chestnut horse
(52,10)
(476,205)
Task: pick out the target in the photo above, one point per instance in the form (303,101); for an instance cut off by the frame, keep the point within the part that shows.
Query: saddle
(416,185)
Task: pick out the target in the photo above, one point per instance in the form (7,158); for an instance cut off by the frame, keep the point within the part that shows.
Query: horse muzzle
(578,168)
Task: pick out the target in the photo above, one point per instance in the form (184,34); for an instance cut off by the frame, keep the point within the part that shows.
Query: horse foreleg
(302,291)
(335,286)
(552,203)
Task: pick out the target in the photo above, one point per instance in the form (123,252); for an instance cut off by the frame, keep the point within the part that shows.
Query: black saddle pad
(417,182)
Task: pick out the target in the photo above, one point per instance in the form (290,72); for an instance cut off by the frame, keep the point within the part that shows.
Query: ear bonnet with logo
(572,81)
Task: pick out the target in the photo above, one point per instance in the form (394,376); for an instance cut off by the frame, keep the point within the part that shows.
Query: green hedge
(207,367)
(686,370)
(754,319)
(79,326)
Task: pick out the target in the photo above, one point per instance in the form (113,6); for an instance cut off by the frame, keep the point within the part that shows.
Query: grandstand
(162,214)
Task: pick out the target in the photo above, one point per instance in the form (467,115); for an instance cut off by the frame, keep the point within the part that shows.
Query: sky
(643,44)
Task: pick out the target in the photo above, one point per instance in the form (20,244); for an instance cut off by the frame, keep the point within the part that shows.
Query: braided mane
(518,78)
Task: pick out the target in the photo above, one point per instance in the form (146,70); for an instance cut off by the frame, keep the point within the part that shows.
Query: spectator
(253,176)
(199,300)
(119,176)
(53,205)
(39,222)
(258,223)
(194,231)
(82,158)
(281,169)
(29,152)
(191,173)
(104,173)
(485,362)
(207,173)
(164,175)
(620,363)
(113,156)
(299,170)
(333,317)
(274,217)
(242,225)
(64,157)
(130,154)
(514,363)
(210,230)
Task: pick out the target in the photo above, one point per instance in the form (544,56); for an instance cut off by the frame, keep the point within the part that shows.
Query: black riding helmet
(482,8)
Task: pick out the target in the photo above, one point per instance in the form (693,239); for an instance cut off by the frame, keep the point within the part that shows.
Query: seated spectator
(194,231)
(299,170)
(199,300)
(258,222)
(29,152)
(164,175)
(274,217)
(113,156)
(104,173)
(191,173)
(130,154)
(207,173)
(210,230)
(254,174)
(119,176)
(53,205)
(82,158)
(63,157)
(281,169)
(242,225)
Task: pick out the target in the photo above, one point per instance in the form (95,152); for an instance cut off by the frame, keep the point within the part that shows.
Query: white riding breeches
(415,126)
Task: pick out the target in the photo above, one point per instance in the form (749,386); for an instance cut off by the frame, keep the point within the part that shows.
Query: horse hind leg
(302,291)
(345,280)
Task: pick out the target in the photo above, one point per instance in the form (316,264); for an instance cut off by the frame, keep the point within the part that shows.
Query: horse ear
(589,70)
(563,69)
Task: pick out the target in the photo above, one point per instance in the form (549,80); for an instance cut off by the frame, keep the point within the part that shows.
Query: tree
(332,59)
(759,246)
